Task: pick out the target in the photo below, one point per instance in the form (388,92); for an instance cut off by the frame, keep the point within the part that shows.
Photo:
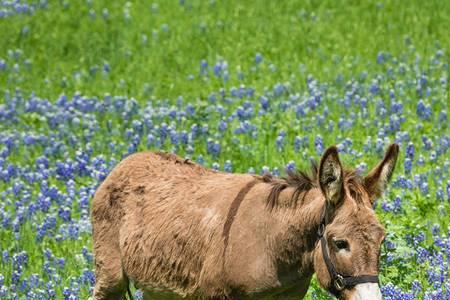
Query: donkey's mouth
(366,291)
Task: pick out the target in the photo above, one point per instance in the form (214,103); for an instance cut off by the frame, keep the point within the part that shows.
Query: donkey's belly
(287,290)
(294,292)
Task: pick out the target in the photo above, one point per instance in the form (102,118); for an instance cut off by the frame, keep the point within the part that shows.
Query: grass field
(239,86)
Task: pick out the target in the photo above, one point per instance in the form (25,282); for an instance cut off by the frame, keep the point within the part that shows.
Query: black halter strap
(339,282)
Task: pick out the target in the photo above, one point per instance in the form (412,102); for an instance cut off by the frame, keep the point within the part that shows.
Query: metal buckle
(339,283)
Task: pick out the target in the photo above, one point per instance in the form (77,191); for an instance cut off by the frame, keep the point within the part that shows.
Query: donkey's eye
(341,244)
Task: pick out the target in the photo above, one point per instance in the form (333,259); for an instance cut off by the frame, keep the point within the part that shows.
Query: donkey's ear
(377,179)
(331,176)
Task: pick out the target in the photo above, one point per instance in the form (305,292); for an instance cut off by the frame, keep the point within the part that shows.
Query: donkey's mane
(303,182)
(299,180)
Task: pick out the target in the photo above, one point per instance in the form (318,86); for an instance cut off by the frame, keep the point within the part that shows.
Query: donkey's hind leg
(111,282)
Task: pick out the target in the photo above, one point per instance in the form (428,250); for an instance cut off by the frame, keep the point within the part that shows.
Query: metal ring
(339,283)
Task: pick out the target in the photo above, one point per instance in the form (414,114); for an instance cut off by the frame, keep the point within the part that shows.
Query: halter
(338,281)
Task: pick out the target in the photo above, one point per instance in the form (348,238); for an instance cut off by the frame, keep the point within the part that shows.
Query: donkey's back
(158,220)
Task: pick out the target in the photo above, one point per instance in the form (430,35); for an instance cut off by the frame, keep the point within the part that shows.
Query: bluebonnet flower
(433,156)
(220,67)
(200,160)
(297,143)
(280,142)
(264,101)
(174,137)
(105,13)
(408,165)
(265,169)
(88,277)
(379,146)
(60,262)
(205,129)
(436,229)
(361,168)
(20,259)
(3,291)
(397,204)
(410,151)
(443,117)
(106,68)
(222,125)
(5,256)
(386,206)
(228,167)
(427,142)
(48,254)
(87,255)
(213,148)
(416,287)
(421,160)
(215,166)
(276,171)
(203,67)
(150,140)
(394,123)
(138,295)
(65,170)
(290,166)
(190,110)
(380,57)
(258,58)
(440,194)
(65,213)
(15,279)
(66,293)
(318,144)
(423,111)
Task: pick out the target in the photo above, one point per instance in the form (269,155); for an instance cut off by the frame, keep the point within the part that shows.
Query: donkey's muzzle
(366,291)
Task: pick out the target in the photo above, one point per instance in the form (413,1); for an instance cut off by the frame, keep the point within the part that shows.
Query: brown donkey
(178,230)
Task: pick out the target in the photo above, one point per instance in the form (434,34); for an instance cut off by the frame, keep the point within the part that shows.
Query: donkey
(181,231)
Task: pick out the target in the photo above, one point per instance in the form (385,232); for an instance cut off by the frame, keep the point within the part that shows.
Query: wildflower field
(238,86)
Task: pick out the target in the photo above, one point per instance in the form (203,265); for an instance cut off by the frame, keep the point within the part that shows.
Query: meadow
(237,86)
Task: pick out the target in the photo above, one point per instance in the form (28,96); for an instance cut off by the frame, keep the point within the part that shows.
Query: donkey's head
(346,258)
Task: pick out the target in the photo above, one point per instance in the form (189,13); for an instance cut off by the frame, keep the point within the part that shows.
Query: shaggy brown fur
(178,230)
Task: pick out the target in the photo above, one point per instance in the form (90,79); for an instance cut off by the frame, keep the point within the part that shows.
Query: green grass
(323,38)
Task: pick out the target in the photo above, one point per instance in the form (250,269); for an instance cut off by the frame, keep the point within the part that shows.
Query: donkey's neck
(296,236)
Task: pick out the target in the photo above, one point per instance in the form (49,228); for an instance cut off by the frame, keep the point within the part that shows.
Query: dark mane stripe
(234,207)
